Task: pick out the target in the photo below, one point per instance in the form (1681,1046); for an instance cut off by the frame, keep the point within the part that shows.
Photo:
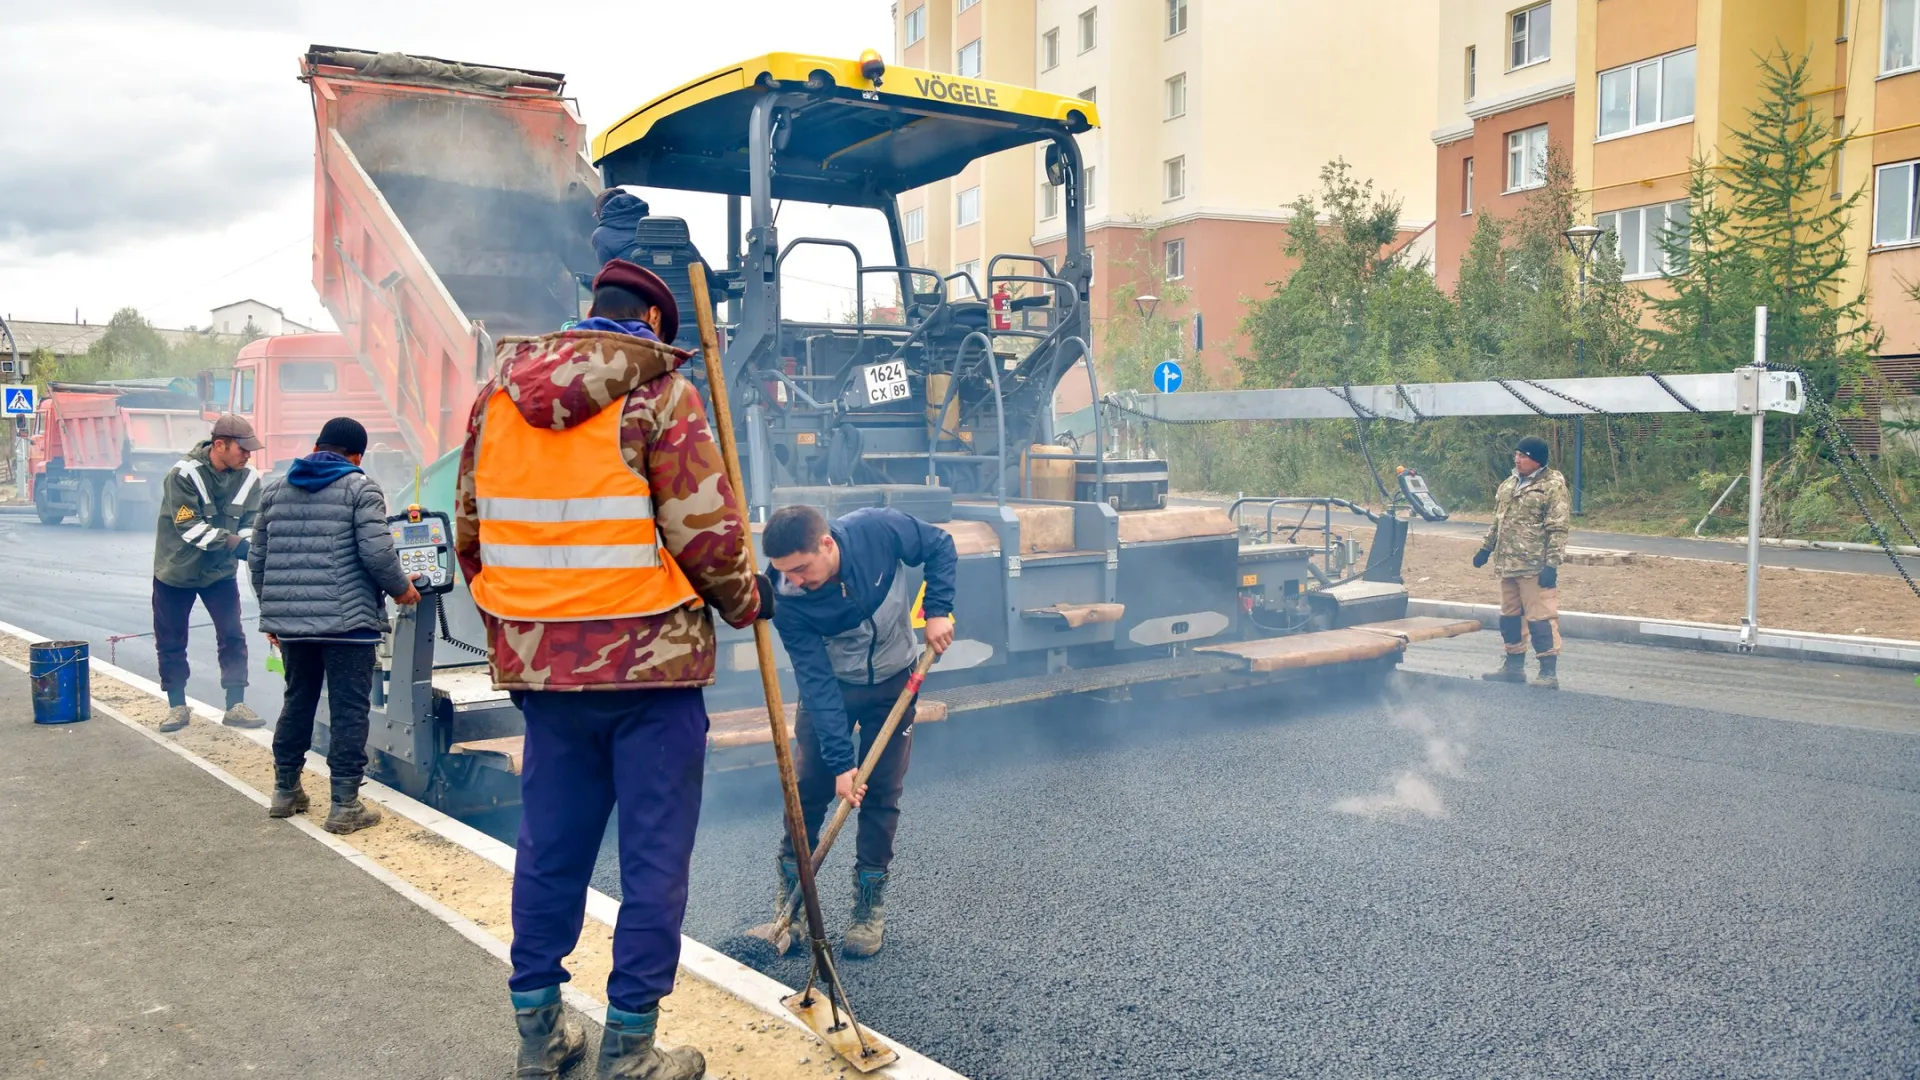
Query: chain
(1411,407)
(1112,401)
(1361,417)
(1671,392)
(1522,398)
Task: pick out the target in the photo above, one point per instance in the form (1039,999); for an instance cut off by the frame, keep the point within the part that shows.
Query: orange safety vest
(566,528)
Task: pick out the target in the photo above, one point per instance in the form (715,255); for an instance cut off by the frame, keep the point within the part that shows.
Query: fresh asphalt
(1442,879)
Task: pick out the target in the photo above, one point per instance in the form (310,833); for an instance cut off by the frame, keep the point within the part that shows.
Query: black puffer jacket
(322,555)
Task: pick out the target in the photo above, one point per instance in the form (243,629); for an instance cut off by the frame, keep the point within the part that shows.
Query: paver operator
(1528,539)
(597,531)
(845,616)
(207,506)
(322,560)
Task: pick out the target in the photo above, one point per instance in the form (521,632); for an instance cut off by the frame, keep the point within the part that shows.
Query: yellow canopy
(852,142)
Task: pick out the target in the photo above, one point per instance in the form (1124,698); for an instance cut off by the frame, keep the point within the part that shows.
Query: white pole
(1750,627)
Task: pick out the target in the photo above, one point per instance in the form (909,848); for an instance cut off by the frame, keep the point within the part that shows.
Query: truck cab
(287,387)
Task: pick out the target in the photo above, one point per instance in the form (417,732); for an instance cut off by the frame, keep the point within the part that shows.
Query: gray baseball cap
(239,430)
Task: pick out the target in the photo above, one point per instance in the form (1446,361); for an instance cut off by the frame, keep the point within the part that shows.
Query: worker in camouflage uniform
(599,537)
(1526,543)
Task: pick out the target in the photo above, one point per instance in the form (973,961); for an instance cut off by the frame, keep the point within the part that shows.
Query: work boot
(627,1051)
(349,813)
(869,928)
(789,881)
(242,716)
(289,798)
(548,1041)
(177,718)
(1549,677)
(1514,670)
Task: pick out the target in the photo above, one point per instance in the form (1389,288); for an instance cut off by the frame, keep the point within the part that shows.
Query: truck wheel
(86,504)
(113,515)
(49,515)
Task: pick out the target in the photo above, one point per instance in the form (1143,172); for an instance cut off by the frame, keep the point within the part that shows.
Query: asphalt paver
(1442,879)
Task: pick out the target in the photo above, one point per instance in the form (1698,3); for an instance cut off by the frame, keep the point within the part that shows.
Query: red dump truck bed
(102,450)
(453,206)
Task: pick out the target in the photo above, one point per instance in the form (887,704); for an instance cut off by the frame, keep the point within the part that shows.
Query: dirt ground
(739,1041)
(1439,568)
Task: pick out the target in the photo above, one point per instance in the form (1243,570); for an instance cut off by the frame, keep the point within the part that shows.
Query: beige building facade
(1216,114)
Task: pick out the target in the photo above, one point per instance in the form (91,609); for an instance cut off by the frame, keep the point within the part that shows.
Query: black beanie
(1533,446)
(346,433)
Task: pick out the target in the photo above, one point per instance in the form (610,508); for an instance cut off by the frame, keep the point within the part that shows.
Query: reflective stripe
(561,511)
(191,468)
(214,536)
(572,557)
(245,534)
(240,497)
(194,533)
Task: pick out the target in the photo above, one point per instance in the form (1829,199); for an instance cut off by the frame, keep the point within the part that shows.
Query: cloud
(116,13)
(219,131)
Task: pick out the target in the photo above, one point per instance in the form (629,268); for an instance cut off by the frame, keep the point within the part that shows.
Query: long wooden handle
(762,635)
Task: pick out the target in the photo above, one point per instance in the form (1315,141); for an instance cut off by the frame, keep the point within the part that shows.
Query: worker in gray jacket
(322,564)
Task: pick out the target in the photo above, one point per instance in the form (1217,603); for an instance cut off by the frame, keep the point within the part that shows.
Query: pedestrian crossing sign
(17,400)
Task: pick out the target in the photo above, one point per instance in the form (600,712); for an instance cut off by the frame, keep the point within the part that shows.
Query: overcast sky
(159,154)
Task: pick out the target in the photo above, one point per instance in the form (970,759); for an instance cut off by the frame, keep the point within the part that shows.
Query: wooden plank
(1422,627)
(1077,615)
(1318,649)
(748,727)
(512,747)
(1174,523)
(971,537)
(1044,528)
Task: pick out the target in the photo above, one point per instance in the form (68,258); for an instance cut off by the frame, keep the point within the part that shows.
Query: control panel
(1418,497)
(424,539)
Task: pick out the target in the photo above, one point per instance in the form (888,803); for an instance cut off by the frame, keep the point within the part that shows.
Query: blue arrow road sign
(1166,377)
(16,400)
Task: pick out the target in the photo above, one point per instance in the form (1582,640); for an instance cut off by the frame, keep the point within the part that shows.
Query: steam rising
(1410,792)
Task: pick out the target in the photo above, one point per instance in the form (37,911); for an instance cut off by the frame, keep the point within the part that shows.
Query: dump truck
(453,205)
(100,451)
(454,208)
(289,386)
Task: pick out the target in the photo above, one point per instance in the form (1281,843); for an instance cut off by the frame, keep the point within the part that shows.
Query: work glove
(1480,558)
(1550,577)
(763,585)
(240,550)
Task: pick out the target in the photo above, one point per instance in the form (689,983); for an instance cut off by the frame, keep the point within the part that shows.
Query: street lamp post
(1582,239)
(1146,305)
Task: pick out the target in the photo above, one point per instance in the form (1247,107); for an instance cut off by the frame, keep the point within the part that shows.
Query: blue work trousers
(588,752)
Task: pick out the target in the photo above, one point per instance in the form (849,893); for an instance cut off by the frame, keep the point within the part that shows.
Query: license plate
(886,382)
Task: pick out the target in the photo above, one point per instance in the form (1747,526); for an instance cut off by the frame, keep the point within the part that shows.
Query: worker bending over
(1528,539)
(597,531)
(845,615)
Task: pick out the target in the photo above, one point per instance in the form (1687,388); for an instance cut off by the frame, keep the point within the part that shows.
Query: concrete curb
(1709,637)
(708,964)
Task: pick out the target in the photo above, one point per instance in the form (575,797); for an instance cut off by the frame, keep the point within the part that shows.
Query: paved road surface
(156,923)
(73,583)
(1454,879)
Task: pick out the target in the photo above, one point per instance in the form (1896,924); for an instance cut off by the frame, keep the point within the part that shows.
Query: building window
(1090,171)
(914,224)
(1466,186)
(1648,94)
(964,5)
(1049,201)
(1177,96)
(967,207)
(1176,17)
(916,24)
(1175,171)
(1638,235)
(972,283)
(1089,29)
(968,65)
(1087,96)
(1900,36)
(1527,158)
(1532,34)
(1893,203)
(1470,72)
(1174,259)
(1050,49)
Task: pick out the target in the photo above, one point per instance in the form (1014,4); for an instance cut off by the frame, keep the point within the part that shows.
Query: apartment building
(1506,94)
(1215,115)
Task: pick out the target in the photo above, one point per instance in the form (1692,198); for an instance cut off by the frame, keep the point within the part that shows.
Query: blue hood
(316,471)
(623,211)
(631,327)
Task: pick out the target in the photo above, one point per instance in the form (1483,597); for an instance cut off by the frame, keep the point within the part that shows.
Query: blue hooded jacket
(873,543)
(319,469)
(619,220)
(630,327)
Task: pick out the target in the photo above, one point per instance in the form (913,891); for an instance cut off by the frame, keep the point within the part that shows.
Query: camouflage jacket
(1530,523)
(558,381)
